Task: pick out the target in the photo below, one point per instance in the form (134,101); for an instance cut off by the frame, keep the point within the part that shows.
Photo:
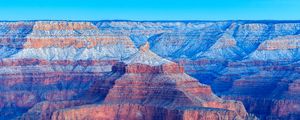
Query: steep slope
(226,47)
(60,40)
(12,37)
(262,83)
(159,89)
(145,56)
(181,43)
(278,49)
(50,65)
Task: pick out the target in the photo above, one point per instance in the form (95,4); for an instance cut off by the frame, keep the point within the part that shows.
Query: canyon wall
(50,65)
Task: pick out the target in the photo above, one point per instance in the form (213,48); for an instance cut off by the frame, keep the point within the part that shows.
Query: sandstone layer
(155,89)
(43,62)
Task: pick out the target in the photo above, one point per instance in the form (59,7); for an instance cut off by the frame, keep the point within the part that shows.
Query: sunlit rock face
(57,40)
(155,89)
(47,66)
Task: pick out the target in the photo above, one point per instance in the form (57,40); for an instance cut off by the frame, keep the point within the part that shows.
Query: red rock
(138,112)
(21,99)
(62,25)
(60,95)
(43,110)
(166,68)
(155,92)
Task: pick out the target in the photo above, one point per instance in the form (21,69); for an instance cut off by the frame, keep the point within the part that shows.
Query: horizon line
(128,20)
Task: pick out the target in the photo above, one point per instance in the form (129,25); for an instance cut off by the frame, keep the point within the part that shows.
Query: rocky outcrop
(44,110)
(61,40)
(27,82)
(159,89)
(256,62)
(137,112)
(263,87)
(278,49)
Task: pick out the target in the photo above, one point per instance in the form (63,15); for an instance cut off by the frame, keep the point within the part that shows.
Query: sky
(149,9)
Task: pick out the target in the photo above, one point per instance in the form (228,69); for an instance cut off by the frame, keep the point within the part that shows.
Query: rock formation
(155,88)
(46,66)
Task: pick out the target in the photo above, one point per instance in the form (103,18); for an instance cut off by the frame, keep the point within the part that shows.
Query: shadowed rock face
(50,65)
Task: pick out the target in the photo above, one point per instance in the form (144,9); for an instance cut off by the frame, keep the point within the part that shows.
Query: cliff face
(51,65)
(155,89)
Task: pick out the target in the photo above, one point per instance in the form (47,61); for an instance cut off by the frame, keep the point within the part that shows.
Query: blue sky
(150,9)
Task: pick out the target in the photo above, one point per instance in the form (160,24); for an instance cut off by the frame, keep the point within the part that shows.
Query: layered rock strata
(156,88)
(256,62)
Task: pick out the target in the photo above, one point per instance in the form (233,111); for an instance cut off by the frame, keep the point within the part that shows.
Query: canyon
(150,70)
